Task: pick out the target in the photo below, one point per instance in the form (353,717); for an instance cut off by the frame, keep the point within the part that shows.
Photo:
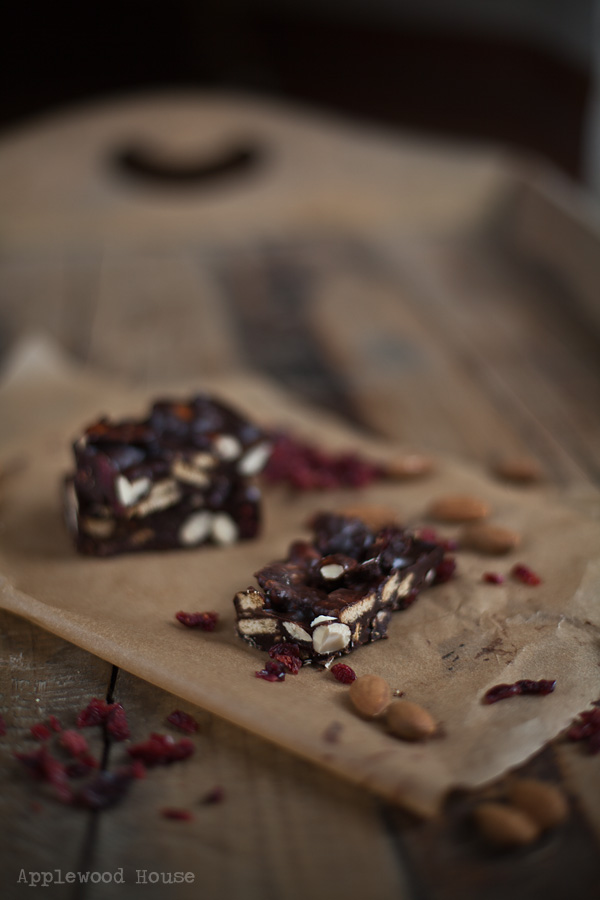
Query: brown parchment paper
(458,639)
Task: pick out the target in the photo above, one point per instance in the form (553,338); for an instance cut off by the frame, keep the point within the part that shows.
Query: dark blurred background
(519,72)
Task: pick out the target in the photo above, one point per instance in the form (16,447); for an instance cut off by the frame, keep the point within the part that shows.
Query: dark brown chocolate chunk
(337,592)
(182,477)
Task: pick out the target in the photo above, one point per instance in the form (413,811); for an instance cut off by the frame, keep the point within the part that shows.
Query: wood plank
(158,318)
(40,675)
(284,829)
(405,381)
(490,330)
(526,327)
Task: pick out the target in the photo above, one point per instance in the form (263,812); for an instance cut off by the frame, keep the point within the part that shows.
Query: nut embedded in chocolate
(337,591)
(182,477)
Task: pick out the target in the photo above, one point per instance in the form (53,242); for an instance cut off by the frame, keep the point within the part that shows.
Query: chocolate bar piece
(338,591)
(182,477)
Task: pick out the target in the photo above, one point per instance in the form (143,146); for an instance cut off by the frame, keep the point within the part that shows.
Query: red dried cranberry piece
(307,467)
(95,713)
(216,795)
(273,671)
(205,621)
(116,723)
(586,727)
(524,686)
(74,743)
(543,686)
(183,721)
(524,573)
(44,767)
(445,570)
(342,672)
(161,750)
(500,692)
(178,815)
(40,731)
(288,655)
(54,724)
(137,769)
(493,578)
(2,726)
(110,715)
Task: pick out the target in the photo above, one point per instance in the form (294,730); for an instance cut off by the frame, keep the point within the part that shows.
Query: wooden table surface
(439,295)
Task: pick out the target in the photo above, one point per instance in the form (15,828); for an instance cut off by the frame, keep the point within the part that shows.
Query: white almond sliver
(196,528)
(254,459)
(224,530)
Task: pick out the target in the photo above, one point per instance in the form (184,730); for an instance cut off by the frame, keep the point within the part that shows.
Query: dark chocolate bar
(338,591)
(180,478)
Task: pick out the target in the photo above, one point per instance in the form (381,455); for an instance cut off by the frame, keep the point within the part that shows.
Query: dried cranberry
(524,686)
(524,573)
(2,726)
(493,578)
(307,467)
(54,723)
(161,750)
(110,715)
(137,769)
(216,795)
(587,728)
(343,673)
(183,721)
(116,723)
(44,767)
(288,655)
(40,731)
(74,743)
(178,815)
(273,671)
(95,713)
(445,570)
(205,621)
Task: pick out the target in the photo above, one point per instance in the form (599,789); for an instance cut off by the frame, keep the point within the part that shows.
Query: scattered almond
(504,826)
(409,721)
(542,802)
(370,695)
(520,469)
(492,539)
(458,508)
(411,465)
(374,516)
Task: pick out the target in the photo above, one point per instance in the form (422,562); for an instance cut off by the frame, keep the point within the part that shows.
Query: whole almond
(458,508)
(370,695)
(411,465)
(542,802)
(409,721)
(520,469)
(492,539)
(505,826)
(376,517)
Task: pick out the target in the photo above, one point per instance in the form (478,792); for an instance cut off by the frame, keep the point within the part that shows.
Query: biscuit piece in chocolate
(337,591)
(182,477)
